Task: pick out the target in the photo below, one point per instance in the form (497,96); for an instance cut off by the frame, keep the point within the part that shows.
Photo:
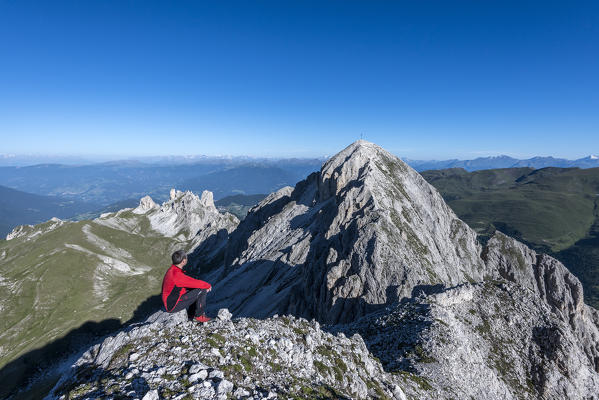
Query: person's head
(179,258)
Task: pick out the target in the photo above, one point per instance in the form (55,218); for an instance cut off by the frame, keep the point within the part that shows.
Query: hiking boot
(202,318)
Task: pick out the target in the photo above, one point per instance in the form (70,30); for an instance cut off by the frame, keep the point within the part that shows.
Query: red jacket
(175,285)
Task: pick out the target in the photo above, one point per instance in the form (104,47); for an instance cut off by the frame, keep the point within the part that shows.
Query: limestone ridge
(556,287)
(186,217)
(24,230)
(367,246)
(364,231)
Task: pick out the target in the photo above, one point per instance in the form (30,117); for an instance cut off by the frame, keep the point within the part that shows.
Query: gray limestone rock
(224,314)
(145,204)
(151,395)
(364,231)
(491,340)
(280,365)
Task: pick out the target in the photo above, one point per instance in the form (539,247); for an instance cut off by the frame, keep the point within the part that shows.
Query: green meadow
(553,210)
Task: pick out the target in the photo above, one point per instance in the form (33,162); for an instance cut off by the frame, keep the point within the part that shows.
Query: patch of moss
(320,392)
(215,340)
(339,363)
(253,352)
(484,328)
(246,362)
(321,367)
(121,354)
(275,367)
(217,337)
(299,331)
(466,275)
(185,382)
(379,393)
(234,369)
(422,355)
(79,391)
(419,380)
(325,351)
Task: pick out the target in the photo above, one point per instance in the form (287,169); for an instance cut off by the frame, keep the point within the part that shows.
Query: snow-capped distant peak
(594,157)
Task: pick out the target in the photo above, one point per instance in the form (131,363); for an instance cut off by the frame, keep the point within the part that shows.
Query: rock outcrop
(489,340)
(168,357)
(35,230)
(186,217)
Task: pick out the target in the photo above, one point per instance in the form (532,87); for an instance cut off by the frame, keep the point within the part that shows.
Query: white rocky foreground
(281,357)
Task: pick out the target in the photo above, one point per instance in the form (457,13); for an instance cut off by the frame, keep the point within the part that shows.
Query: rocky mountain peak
(347,166)
(364,231)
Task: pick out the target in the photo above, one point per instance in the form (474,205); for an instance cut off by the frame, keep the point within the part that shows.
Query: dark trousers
(195,302)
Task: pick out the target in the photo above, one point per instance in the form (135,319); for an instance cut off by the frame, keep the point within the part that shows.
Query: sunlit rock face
(364,231)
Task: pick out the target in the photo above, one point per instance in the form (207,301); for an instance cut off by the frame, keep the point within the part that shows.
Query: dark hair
(178,257)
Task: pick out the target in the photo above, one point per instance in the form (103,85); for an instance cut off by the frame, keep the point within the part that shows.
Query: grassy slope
(555,210)
(49,289)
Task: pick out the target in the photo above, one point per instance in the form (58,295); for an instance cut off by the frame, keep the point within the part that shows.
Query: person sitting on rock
(181,291)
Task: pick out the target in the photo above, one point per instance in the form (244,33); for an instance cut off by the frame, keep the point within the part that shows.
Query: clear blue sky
(423,79)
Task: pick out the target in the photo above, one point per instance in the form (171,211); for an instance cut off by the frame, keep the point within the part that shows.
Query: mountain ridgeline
(496,162)
(405,302)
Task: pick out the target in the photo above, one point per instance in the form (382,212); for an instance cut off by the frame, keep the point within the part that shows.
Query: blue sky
(423,79)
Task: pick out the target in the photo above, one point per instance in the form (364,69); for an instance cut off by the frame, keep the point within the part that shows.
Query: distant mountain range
(239,204)
(26,160)
(503,161)
(111,182)
(86,191)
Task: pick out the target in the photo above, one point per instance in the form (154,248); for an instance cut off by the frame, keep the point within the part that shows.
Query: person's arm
(187,281)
